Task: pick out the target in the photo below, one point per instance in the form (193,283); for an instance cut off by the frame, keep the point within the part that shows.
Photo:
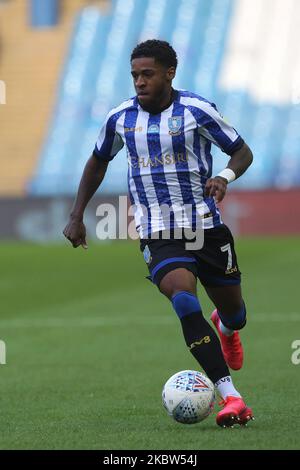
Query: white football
(189,396)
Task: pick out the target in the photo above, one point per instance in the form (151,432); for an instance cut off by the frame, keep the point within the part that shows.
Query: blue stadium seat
(96,77)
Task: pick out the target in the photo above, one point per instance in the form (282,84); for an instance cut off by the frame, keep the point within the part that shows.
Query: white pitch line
(91,322)
(275,317)
(83,322)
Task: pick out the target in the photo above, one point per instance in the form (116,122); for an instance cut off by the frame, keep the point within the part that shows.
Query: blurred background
(65,63)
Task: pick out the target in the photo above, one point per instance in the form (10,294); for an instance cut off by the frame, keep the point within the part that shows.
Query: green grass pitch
(90,343)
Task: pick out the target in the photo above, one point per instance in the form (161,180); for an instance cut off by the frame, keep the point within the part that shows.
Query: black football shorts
(215,264)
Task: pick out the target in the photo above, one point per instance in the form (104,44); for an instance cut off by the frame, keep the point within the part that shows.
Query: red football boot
(231,345)
(235,411)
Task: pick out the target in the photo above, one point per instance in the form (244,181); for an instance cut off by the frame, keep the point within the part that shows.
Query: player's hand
(75,232)
(216,187)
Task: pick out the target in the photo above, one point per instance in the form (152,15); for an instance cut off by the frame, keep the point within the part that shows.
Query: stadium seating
(214,53)
(30,61)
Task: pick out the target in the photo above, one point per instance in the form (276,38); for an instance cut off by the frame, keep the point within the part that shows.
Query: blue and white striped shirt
(169,159)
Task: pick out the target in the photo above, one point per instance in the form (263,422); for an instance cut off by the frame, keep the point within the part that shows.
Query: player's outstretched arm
(237,165)
(91,179)
(240,160)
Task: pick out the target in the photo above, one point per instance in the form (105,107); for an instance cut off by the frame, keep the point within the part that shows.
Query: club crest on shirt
(147,255)
(174,124)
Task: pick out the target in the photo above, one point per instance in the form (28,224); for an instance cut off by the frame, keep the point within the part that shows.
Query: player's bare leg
(229,317)
(176,281)
(180,286)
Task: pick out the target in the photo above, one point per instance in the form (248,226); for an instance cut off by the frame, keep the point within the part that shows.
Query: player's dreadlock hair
(161,51)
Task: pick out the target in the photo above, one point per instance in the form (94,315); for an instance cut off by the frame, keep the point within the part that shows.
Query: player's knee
(177,280)
(185,303)
(237,321)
